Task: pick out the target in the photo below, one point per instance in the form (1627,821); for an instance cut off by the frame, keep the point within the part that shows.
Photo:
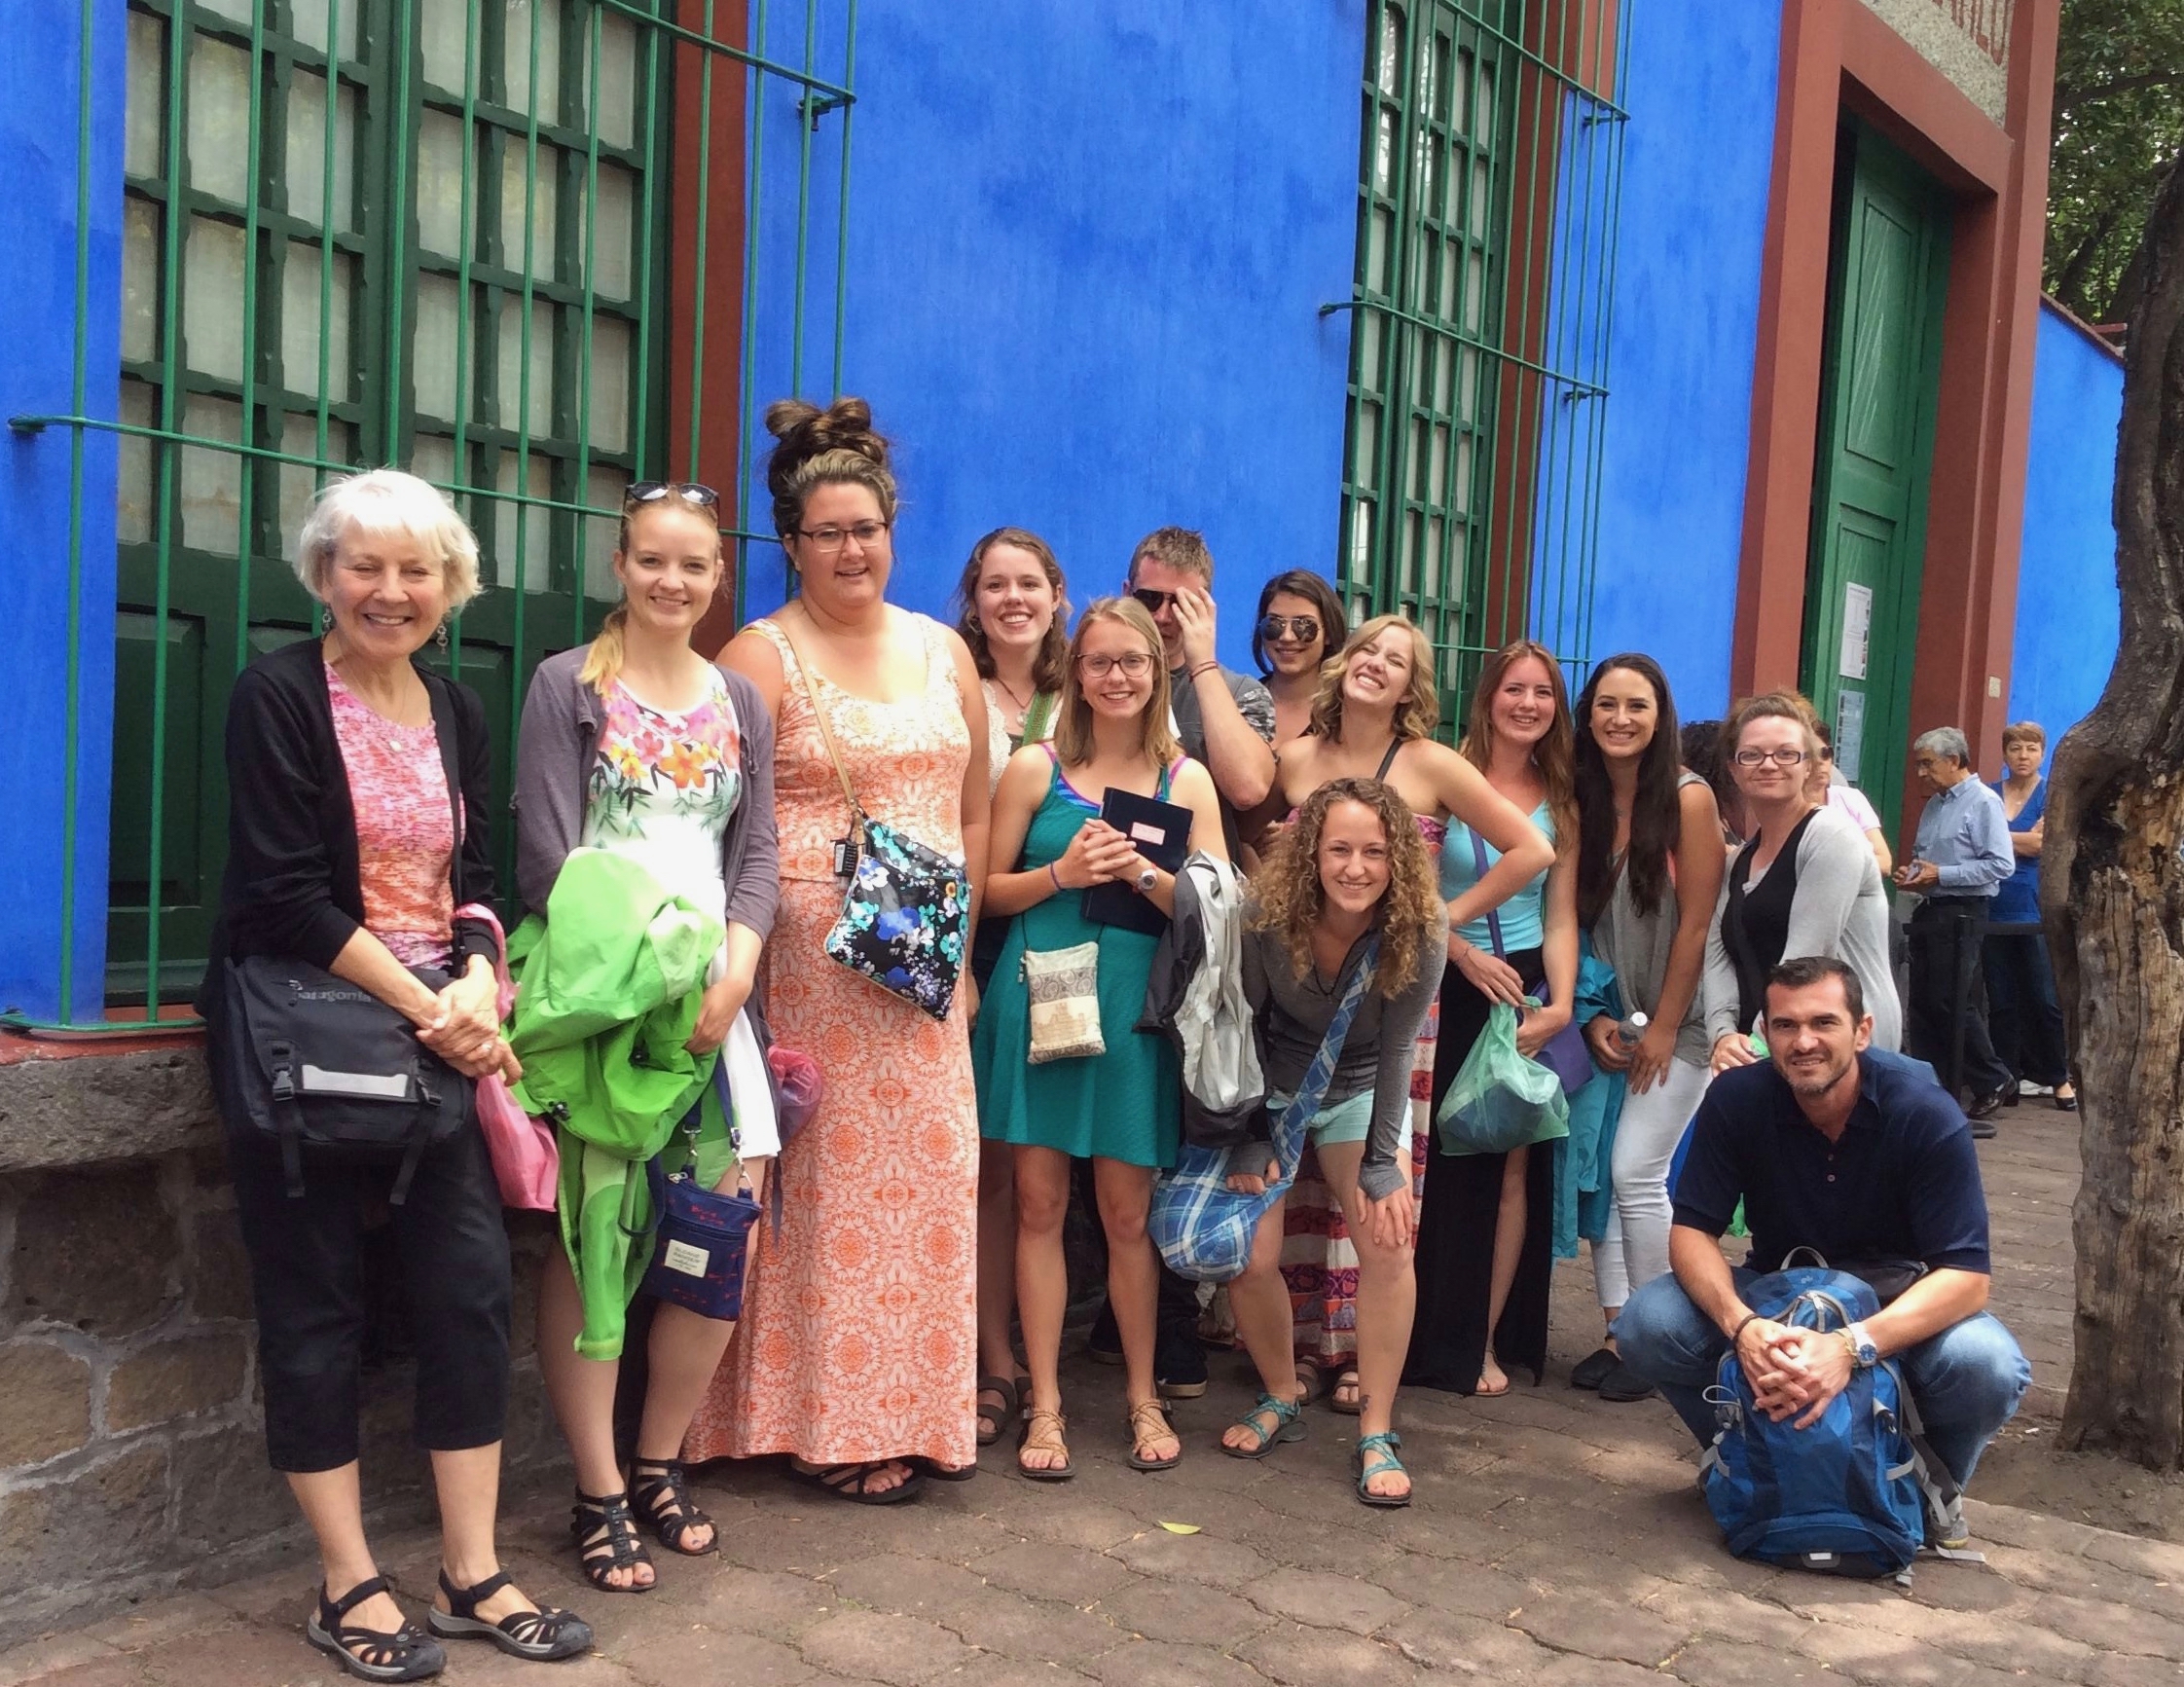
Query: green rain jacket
(611,981)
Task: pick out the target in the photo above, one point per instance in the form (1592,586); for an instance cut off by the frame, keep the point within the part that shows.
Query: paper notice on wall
(1850,732)
(1857,628)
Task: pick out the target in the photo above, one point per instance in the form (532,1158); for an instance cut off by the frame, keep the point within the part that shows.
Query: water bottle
(1629,1033)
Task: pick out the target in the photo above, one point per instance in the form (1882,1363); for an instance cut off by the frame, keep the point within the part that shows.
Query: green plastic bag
(1501,1099)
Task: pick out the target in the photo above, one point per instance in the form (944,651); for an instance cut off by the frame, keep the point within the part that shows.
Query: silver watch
(1146,880)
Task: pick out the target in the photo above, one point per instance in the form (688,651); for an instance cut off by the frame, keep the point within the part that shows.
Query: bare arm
(1698,884)
(1193,788)
(1883,856)
(756,658)
(1237,753)
(1022,789)
(1558,952)
(977,794)
(1464,793)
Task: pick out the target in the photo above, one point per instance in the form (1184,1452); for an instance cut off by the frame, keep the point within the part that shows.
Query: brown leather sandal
(1149,1422)
(1042,1433)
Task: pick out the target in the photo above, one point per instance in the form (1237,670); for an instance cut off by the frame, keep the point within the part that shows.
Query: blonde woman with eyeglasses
(1804,883)
(1122,1109)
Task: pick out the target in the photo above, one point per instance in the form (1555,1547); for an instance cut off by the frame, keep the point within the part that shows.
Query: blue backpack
(1847,1496)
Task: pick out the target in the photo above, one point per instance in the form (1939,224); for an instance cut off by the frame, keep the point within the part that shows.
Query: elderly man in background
(1961,857)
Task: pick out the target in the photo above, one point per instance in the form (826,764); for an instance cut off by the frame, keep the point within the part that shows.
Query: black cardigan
(292,886)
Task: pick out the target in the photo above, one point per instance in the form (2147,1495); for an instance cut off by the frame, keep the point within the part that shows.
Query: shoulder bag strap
(1288,1131)
(1039,716)
(1389,760)
(1493,915)
(818,713)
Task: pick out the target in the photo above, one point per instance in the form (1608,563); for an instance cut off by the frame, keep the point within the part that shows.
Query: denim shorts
(1348,1120)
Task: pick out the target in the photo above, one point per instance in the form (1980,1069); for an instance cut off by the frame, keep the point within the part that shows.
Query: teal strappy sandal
(1380,1451)
(1288,1425)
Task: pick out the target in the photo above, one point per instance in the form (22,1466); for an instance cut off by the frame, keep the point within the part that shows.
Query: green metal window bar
(1490,180)
(467,236)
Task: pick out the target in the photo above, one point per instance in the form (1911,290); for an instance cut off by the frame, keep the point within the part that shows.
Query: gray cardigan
(1841,909)
(561,734)
(1293,1014)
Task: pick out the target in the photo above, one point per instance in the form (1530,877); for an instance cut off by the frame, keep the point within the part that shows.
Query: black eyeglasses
(1783,757)
(646,491)
(1302,628)
(1154,602)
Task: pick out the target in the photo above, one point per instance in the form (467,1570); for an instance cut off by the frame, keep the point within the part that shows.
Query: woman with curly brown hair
(1374,716)
(1352,867)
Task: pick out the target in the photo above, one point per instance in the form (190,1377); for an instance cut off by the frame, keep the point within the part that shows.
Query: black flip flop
(853,1477)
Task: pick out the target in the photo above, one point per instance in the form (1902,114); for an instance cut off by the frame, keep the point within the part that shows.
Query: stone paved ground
(1555,1540)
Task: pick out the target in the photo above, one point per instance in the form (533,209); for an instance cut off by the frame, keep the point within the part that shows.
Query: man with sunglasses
(1225,721)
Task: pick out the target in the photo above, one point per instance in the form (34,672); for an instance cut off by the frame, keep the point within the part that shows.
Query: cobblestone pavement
(1555,1539)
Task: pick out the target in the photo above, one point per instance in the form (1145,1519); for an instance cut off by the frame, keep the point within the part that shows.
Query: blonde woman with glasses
(1122,1109)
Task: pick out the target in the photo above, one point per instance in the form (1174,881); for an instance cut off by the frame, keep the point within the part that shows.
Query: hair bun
(807,432)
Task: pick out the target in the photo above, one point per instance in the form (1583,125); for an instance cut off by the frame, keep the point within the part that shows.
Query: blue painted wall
(1087,248)
(1696,159)
(40,84)
(2067,615)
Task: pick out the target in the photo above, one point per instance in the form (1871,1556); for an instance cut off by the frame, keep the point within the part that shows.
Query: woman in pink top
(358,804)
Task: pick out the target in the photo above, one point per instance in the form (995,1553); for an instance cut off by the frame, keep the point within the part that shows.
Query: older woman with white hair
(356,829)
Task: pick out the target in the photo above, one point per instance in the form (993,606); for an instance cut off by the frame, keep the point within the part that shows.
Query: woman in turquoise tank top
(1122,1109)
(1483,1266)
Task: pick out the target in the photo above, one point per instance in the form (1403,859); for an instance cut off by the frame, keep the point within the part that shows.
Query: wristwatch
(1862,1353)
(1146,880)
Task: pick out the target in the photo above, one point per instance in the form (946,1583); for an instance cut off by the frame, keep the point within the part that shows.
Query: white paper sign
(1850,732)
(1857,627)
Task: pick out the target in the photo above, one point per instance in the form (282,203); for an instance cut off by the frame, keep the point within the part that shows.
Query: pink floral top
(664,787)
(405,830)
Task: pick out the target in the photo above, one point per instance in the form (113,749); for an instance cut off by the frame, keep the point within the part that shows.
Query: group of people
(1381,891)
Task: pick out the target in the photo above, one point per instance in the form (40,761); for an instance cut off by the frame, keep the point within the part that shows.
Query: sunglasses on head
(1302,628)
(648,492)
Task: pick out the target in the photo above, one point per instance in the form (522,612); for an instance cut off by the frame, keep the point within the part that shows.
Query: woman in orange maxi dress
(858,1349)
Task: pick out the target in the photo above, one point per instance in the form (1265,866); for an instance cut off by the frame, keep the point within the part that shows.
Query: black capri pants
(308,1275)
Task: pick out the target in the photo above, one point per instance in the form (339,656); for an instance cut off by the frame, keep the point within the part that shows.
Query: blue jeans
(1967,1380)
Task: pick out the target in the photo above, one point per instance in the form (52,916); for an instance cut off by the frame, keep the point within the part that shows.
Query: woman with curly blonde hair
(1351,868)
(1374,716)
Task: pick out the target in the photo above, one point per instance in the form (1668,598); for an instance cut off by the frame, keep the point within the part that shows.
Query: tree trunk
(2112,894)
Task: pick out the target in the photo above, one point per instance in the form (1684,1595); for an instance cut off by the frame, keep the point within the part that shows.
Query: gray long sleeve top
(554,753)
(1294,1013)
(1965,833)
(1841,909)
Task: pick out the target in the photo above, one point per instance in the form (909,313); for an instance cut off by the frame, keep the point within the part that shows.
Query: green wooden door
(1888,279)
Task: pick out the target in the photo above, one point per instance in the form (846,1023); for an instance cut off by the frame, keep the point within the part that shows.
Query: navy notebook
(1161,830)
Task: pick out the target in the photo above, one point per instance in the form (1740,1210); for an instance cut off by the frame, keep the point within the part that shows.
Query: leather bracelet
(1203,667)
(1739,1330)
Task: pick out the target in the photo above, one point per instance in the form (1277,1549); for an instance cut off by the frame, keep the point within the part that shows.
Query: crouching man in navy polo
(1859,1154)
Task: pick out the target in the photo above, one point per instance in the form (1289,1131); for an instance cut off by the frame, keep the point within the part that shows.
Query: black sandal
(661,1497)
(404,1654)
(606,1541)
(544,1635)
(850,1481)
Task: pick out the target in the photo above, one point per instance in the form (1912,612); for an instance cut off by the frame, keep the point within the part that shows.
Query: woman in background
(1648,867)
(1483,1242)
(2024,1016)
(1012,610)
(1298,626)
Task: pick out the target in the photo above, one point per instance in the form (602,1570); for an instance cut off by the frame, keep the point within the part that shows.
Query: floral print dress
(663,789)
(859,1337)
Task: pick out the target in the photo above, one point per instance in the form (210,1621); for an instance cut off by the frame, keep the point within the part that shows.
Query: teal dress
(1124,1105)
